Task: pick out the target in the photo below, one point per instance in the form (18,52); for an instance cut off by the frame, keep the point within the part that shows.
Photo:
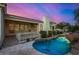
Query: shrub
(50,33)
(54,33)
(59,32)
(43,34)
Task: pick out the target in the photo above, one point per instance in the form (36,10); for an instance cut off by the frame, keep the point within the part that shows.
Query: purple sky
(55,11)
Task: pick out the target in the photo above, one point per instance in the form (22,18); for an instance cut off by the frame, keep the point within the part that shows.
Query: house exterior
(15,24)
(11,24)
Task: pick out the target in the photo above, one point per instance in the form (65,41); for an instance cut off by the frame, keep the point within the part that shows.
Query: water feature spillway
(54,46)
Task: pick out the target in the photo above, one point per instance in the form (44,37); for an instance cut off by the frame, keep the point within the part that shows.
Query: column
(1,24)
(39,27)
(46,23)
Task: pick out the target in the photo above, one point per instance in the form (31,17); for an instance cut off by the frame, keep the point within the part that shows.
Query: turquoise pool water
(54,46)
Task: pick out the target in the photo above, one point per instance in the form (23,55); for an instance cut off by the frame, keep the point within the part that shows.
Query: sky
(57,12)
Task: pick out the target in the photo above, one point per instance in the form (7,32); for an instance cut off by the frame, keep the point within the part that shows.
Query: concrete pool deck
(21,49)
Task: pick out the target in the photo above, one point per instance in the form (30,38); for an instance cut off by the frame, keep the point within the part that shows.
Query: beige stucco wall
(40,27)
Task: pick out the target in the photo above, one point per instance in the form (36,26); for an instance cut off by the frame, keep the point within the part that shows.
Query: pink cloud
(23,10)
(57,18)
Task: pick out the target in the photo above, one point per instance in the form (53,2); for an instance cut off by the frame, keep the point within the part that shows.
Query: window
(17,28)
(11,28)
(22,27)
(25,27)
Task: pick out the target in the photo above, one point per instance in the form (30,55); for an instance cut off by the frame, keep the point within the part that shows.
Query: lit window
(17,27)
(21,27)
(25,27)
(11,28)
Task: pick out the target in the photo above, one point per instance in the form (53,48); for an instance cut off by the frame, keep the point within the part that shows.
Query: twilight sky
(55,11)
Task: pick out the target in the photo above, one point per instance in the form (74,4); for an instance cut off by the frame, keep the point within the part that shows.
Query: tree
(77,16)
(63,25)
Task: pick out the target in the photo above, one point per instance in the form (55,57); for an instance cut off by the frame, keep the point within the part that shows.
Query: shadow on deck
(9,41)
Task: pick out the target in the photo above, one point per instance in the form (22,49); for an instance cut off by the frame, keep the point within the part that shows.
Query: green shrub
(54,33)
(50,33)
(59,32)
(43,34)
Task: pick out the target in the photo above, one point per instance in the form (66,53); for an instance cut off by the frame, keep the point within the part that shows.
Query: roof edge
(19,17)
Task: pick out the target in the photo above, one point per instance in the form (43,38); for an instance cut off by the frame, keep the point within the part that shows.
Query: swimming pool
(54,46)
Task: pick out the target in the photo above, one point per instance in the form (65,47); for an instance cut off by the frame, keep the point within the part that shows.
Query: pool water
(54,46)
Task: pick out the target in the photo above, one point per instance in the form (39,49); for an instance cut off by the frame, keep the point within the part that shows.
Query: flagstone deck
(20,49)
